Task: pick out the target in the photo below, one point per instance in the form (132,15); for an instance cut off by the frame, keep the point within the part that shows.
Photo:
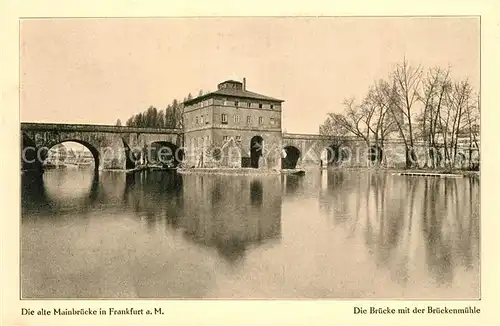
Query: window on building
(272,106)
(261,120)
(249,119)
(202,119)
(249,104)
(272,121)
(236,103)
(238,138)
(236,118)
(206,119)
(260,105)
(197,120)
(224,118)
(225,138)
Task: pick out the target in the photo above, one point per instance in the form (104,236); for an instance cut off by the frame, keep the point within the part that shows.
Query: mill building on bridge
(233,127)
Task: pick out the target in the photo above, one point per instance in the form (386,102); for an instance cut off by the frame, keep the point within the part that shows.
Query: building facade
(233,127)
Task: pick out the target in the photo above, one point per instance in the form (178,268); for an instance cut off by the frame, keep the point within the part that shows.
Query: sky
(95,71)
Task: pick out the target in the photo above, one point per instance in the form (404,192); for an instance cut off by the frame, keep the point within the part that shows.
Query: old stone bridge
(112,147)
(317,150)
(308,150)
(120,148)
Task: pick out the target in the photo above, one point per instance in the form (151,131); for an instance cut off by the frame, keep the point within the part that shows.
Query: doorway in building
(256,144)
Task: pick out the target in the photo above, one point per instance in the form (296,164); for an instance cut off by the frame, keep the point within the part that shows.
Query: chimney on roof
(244,84)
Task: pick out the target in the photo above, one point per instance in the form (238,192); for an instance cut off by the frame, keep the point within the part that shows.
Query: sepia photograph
(250,158)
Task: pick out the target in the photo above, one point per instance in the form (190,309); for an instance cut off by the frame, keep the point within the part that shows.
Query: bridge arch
(375,154)
(292,155)
(256,146)
(93,150)
(164,153)
(335,154)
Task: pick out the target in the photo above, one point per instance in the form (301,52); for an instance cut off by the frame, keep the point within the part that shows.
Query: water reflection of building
(232,214)
(228,214)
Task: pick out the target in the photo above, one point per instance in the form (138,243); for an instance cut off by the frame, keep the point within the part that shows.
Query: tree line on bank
(414,105)
(168,118)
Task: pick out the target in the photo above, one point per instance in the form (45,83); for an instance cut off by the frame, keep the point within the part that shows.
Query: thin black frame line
(481,263)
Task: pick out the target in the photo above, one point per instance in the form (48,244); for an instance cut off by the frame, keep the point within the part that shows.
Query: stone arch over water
(93,150)
(375,154)
(292,155)
(164,153)
(256,145)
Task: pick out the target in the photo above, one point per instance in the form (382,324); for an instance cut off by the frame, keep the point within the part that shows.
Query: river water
(335,234)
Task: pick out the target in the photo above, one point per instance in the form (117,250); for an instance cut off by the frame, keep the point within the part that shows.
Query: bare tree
(355,120)
(453,120)
(429,108)
(406,82)
(435,88)
(472,129)
(381,125)
(335,130)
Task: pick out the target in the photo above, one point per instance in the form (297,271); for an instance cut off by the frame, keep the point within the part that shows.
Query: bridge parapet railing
(93,128)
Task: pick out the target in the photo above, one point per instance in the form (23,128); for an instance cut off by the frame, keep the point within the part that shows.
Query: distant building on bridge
(233,127)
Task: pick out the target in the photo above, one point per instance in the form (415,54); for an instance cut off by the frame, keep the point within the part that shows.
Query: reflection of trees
(334,196)
(384,221)
(451,227)
(155,196)
(437,248)
(396,216)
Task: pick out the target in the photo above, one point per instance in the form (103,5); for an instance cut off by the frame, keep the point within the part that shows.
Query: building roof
(233,92)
